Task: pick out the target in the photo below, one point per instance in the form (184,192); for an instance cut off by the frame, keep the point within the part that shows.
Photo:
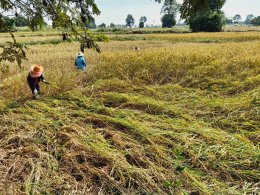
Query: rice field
(39,38)
(181,116)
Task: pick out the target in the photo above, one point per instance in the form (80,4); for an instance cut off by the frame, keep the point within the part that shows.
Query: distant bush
(116,29)
(141,24)
(207,22)
(101,30)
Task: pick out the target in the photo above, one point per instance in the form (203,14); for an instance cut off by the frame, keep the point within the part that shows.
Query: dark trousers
(34,86)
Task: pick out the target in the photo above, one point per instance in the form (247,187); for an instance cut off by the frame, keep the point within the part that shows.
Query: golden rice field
(177,117)
(170,38)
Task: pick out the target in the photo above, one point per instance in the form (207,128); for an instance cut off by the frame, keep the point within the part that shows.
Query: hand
(46,82)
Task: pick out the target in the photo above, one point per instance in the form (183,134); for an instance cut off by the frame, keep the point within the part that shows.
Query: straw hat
(36,70)
(80,54)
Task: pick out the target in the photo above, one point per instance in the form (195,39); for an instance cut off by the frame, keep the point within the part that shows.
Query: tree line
(208,18)
(250,20)
(9,23)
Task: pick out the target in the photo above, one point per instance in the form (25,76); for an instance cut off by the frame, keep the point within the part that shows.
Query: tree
(256,21)
(21,21)
(71,15)
(37,22)
(189,8)
(237,18)
(228,20)
(168,21)
(170,7)
(130,21)
(141,24)
(207,21)
(207,8)
(112,25)
(142,20)
(203,13)
(249,18)
(6,23)
(91,24)
(103,25)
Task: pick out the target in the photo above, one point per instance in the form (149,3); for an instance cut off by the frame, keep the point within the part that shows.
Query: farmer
(35,76)
(80,61)
(137,48)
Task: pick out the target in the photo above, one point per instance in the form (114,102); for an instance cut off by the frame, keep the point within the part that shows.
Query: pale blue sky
(116,10)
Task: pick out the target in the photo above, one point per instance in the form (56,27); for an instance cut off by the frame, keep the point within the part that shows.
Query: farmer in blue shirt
(80,61)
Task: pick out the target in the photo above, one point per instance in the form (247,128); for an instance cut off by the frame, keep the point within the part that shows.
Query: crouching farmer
(35,76)
(80,61)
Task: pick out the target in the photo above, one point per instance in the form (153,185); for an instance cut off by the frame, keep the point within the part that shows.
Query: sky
(115,11)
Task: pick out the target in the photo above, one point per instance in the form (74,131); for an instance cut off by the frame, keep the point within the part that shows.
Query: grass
(178,118)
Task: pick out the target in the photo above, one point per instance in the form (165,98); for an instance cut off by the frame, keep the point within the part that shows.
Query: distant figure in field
(137,48)
(80,61)
(35,76)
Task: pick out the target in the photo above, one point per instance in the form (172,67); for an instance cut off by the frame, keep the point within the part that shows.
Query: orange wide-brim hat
(36,70)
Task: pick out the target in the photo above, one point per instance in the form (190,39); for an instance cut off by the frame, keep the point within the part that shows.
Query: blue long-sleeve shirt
(80,62)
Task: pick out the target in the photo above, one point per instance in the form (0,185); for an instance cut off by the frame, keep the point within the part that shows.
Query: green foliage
(91,25)
(228,21)
(130,21)
(13,52)
(112,25)
(203,15)
(256,21)
(21,21)
(36,22)
(168,21)
(207,22)
(170,7)
(190,8)
(103,25)
(6,23)
(141,24)
(237,18)
(249,18)
(143,19)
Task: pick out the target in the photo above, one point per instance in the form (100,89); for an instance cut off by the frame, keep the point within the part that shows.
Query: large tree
(249,18)
(143,19)
(170,9)
(203,15)
(190,7)
(168,21)
(237,18)
(130,21)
